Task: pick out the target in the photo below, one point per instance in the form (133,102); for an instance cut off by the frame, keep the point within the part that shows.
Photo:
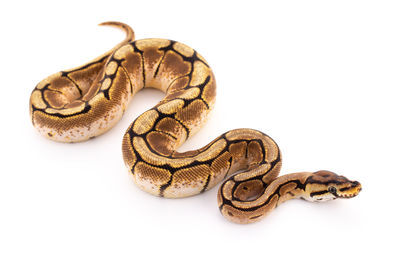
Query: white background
(320,77)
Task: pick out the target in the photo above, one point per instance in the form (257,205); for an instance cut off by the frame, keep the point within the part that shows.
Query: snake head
(326,185)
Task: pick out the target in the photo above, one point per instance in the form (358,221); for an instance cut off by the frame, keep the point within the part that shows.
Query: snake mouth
(349,192)
(346,195)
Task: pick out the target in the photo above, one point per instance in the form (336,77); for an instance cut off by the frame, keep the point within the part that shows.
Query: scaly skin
(84,102)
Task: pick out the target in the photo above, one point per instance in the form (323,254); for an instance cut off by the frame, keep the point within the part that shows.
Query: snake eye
(332,189)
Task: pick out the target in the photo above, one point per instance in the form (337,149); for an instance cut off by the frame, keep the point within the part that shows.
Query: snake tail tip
(108,23)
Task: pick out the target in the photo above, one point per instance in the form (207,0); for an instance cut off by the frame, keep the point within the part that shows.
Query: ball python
(84,102)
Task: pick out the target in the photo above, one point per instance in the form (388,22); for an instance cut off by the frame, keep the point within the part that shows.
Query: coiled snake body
(84,102)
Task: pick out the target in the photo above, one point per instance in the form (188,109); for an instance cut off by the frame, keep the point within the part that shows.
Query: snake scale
(84,102)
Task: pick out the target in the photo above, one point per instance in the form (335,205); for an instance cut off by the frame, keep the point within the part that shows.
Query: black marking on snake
(187,130)
(190,74)
(46,87)
(143,136)
(226,149)
(201,87)
(87,65)
(65,74)
(205,82)
(207,183)
(173,170)
(162,115)
(172,82)
(165,186)
(263,153)
(138,159)
(116,60)
(56,91)
(193,58)
(127,75)
(247,141)
(190,59)
(229,166)
(198,97)
(166,133)
(255,217)
(277,160)
(112,76)
(59,115)
(205,103)
(312,180)
(318,193)
(159,64)
(220,193)
(199,59)
(135,49)
(136,162)
(247,151)
(187,102)
(169,47)
(168,167)
(106,93)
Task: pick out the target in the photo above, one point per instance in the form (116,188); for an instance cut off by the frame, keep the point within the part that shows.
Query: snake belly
(84,102)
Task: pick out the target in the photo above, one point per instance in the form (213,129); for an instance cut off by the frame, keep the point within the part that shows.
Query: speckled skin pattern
(84,102)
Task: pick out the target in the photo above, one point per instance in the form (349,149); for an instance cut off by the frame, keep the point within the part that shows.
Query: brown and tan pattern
(84,102)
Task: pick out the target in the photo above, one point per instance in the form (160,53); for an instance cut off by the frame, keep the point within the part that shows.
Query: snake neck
(289,186)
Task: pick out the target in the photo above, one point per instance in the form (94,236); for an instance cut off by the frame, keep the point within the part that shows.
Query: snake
(84,102)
